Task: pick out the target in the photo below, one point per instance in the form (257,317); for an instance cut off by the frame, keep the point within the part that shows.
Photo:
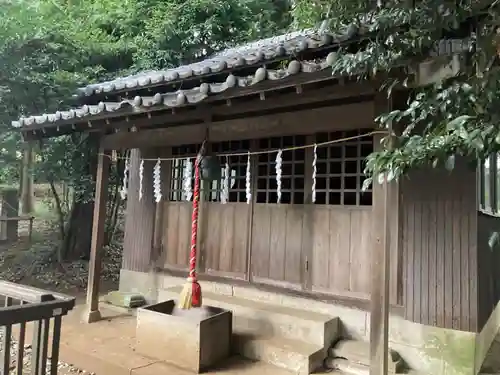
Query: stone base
(193,340)
(425,349)
(91,316)
(124,299)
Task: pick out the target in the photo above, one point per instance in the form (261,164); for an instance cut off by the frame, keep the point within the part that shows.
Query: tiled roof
(173,99)
(250,54)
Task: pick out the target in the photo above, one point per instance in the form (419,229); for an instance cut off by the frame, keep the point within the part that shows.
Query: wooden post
(92,313)
(381,270)
(30,230)
(10,209)
(27,180)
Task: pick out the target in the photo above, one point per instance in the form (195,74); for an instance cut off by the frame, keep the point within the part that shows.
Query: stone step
(358,353)
(347,367)
(294,324)
(298,357)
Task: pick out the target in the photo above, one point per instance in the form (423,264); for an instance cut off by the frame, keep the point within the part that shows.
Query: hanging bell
(210,168)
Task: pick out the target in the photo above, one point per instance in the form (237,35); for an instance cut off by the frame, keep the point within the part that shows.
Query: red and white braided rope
(194,221)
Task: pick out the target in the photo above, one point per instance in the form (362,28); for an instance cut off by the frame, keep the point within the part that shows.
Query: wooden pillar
(9,208)
(92,313)
(380,267)
(27,194)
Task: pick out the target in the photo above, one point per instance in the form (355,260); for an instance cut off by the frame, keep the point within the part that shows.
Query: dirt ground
(33,263)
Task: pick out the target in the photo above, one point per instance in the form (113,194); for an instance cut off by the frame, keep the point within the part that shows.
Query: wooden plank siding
(138,236)
(439,223)
(339,240)
(321,247)
(225,241)
(276,247)
(177,234)
(341,250)
(489,265)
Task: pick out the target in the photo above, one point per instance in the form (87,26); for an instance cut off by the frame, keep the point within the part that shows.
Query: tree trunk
(114,201)
(27,193)
(59,209)
(78,232)
(78,229)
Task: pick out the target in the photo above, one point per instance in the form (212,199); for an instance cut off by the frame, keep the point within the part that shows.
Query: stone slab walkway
(107,348)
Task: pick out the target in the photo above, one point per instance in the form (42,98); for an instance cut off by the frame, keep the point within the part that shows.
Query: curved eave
(63,122)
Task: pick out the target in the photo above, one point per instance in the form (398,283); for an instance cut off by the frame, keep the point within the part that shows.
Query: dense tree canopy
(48,48)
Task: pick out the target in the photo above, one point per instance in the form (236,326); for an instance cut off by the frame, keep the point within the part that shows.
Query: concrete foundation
(425,349)
(194,340)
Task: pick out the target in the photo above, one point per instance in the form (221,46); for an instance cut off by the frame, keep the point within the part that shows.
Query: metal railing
(22,305)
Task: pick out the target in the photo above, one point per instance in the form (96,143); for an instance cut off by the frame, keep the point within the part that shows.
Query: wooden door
(177,209)
(341,218)
(226,222)
(177,234)
(277,250)
(277,247)
(225,239)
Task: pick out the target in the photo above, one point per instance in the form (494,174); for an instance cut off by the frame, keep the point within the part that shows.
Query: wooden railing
(22,305)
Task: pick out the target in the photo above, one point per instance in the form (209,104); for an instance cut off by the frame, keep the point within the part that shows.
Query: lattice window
(293,171)
(340,169)
(237,167)
(178,165)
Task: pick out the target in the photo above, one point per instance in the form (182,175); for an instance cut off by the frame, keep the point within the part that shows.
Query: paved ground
(107,348)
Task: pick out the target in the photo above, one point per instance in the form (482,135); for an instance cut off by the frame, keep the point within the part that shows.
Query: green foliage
(457,116)
(48,48)
(336,13)
(196,29)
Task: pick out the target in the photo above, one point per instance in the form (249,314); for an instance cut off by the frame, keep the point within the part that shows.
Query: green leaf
(458,122)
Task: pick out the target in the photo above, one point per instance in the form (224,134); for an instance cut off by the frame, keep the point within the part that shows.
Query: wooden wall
(225,239)
(140,217)
(279,245)
(341,250)
(439,223)
(177,233)
(489,266)
(323,249)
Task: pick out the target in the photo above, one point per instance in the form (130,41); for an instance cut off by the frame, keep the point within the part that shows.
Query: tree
(48,48)
(456,116)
